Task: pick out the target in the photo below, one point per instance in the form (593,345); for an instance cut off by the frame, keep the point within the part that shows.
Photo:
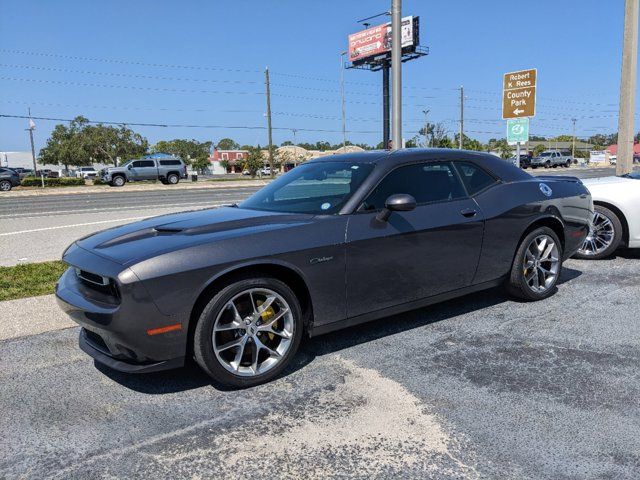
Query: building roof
(613,149)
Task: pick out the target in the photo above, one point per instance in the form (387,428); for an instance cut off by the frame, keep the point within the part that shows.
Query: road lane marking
(80,211)
(57,227)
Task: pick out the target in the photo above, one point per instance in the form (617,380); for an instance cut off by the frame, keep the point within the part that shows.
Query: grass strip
(29,279)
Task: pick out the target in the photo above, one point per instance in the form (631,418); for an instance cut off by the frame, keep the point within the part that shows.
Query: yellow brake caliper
(266,316)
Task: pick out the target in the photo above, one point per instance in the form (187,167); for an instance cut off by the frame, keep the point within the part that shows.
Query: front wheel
(248,332)
(536,266)
(118,181)
(605,235)
(5,185)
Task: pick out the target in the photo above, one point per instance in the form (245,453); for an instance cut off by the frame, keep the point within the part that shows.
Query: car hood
(605,180)
(137,241)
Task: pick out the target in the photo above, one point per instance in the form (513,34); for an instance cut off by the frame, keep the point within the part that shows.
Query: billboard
(375,41)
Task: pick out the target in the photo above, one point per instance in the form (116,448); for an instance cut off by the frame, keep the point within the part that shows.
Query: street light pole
(344,112)
(624,162)
(573,145)
(396,72)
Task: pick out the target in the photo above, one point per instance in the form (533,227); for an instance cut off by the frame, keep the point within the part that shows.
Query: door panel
(430,250)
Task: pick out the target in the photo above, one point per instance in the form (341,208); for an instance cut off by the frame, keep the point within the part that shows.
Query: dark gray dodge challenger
(335,242)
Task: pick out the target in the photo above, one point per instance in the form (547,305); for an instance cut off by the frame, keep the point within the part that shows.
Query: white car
(616,220)
(86,172)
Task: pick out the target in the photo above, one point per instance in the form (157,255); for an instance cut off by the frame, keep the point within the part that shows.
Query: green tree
(190,151)
(255,160)
(228,144)
(538,149)
(107,143)
(563,138)
(65,146)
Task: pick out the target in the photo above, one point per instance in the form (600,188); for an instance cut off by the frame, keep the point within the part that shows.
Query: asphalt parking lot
(478,387)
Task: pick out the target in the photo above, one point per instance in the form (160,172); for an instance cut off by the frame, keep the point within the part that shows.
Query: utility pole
(396,72)
(426,128)
(628,88)
(266,76)
(344,111)
(31,128)
(386,120)
(460,142)
(573,145)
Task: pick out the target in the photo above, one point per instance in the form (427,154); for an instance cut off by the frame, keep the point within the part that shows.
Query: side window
(147,163)
(474,178)
(169,162)
(137,164)
(426,182)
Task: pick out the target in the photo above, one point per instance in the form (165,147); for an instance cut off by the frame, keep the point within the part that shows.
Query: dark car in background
(9,178)
(525,160)
(335,242)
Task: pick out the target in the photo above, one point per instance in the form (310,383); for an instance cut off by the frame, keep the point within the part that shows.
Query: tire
(568,164)
(213,354)
(173,178)
(118,181)
(5,185)
(604,238)
(521,283)
(547,165)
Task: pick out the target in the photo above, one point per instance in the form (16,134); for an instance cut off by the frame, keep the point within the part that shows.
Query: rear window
(170,162)
(474,178)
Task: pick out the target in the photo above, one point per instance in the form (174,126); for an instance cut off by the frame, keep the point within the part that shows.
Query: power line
(176,125)
(128,62)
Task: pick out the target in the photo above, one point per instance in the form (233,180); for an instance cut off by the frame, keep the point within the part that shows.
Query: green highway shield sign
(518,130)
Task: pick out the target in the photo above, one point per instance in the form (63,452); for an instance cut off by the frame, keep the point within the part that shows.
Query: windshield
(635,175)
(319,188)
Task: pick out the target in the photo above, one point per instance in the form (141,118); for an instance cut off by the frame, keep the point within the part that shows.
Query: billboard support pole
(385,106)
(518,154)
(624,162)
(266,80)
(396,72)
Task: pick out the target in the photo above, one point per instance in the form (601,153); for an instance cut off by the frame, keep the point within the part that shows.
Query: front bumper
(115,330)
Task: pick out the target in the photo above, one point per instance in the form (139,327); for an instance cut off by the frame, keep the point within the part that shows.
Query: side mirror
(400,202)
(130,167)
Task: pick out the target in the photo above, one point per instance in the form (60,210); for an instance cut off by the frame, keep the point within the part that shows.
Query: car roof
(503,169)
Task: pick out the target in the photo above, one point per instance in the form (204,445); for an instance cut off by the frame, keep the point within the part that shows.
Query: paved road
(479,387)
(39,228)
(580,172)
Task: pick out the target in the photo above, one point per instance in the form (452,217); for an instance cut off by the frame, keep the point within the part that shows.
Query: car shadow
(191,377)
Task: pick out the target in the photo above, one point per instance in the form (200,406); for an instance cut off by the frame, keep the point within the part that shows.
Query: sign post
(519,103)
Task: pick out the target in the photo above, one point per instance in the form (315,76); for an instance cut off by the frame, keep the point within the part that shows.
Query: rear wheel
(5,185)
(568,164)
(248,332)
(536,265)
(172,179)
(605,235)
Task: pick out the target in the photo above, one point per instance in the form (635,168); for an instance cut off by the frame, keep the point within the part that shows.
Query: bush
(99,181)
(51,182)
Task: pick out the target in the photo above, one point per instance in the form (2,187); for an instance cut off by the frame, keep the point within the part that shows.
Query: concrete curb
(31,316)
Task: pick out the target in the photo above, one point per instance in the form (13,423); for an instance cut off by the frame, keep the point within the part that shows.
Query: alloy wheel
(600,237)
(541,264)
(5,186)
(253,332)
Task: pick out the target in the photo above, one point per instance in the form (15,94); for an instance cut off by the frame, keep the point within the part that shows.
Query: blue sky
(74,57)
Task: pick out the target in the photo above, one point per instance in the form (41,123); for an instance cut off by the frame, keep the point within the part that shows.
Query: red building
(233,158)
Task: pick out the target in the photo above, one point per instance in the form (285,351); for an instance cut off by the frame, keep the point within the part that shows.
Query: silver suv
(168,169)
(552,158)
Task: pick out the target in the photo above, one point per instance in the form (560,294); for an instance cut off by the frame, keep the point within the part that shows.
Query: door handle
(468,212)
